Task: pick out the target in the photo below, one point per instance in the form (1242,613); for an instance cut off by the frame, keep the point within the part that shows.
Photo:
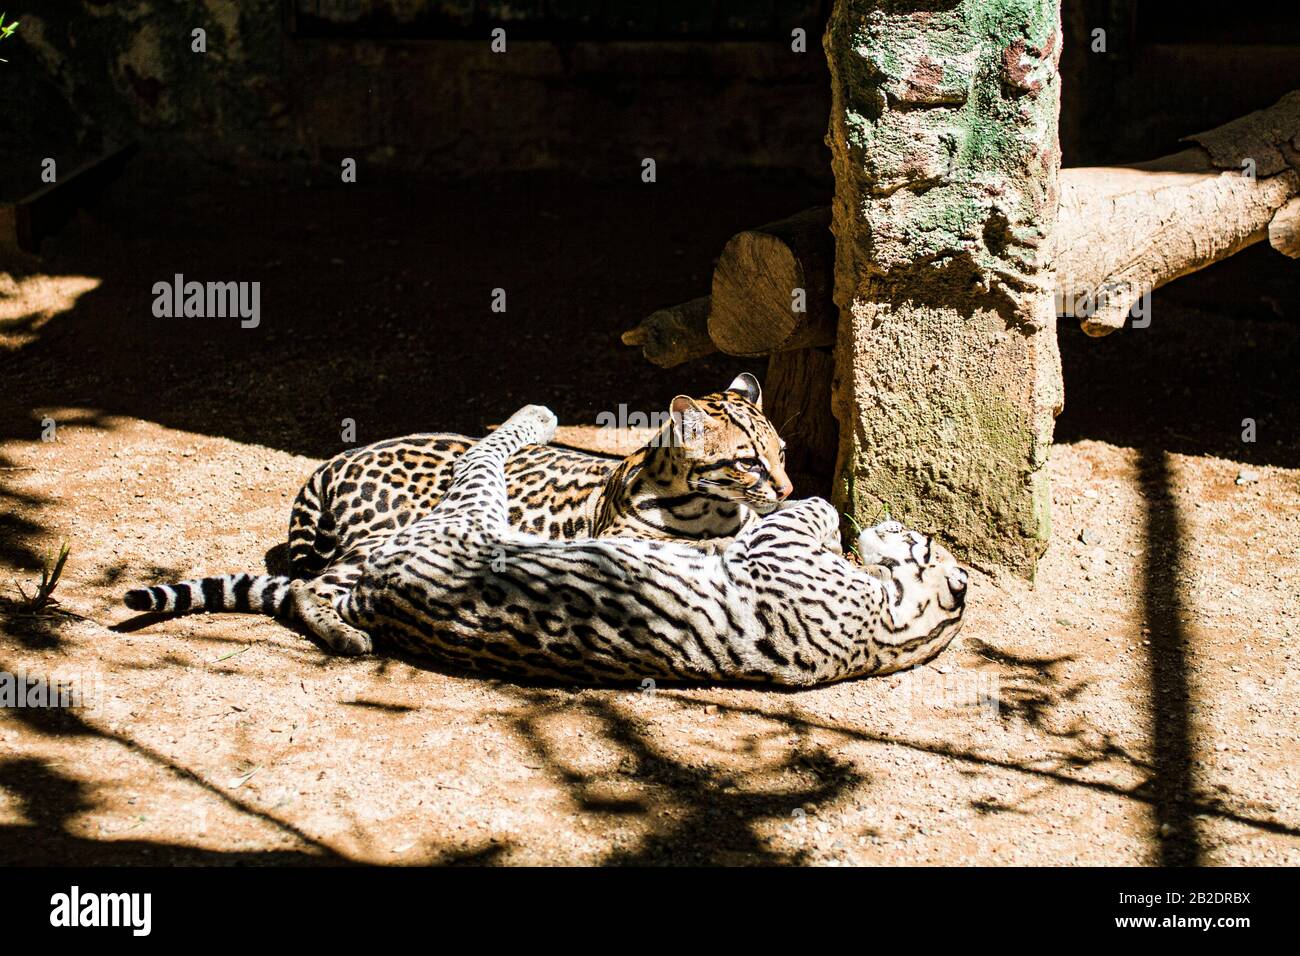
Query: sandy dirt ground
(1135,705)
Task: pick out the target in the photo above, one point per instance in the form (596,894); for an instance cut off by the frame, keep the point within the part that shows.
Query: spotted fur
(781,605)
(716,464)
(711,470)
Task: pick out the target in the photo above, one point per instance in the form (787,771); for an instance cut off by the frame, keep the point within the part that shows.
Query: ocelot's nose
(783,491)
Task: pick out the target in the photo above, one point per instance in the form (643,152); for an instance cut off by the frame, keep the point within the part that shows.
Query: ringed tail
(246,593)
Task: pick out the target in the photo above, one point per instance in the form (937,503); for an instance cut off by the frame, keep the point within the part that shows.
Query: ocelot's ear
(689,424)
(746,386)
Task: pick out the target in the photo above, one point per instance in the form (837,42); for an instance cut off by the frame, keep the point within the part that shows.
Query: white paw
(957,580)
(887,541)
(537,422)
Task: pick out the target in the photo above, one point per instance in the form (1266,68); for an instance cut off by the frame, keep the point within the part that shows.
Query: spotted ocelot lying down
(780,604)
(732,469)
(704,491)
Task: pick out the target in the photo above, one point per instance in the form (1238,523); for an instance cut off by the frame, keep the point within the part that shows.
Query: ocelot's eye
(749,464)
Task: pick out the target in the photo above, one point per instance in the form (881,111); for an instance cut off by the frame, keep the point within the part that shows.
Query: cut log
(772,287)
(1162,220)
(1122,231)
(674,335)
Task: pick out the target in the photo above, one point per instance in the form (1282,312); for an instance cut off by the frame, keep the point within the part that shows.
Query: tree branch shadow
(52,799)
(689,813)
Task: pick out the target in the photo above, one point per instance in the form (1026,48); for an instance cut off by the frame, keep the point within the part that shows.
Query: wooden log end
(1284,229)
(772,287)
(753,288)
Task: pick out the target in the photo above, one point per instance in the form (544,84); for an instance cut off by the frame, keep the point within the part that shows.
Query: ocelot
(709,487)
(780,605)
(713,468)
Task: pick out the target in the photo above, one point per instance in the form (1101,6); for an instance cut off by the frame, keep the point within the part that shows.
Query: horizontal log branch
(1122,232)
(674,335)
(1125,231)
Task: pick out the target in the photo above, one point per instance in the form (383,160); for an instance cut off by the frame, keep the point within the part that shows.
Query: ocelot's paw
(323,621)
(535,423)
(888,543)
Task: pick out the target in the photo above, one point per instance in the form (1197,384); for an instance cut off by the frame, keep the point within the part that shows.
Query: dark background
(522,171)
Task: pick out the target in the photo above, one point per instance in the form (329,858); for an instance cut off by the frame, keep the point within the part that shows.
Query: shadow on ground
(376,306)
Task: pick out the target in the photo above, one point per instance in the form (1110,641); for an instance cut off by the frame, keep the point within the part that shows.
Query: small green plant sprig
(6,31)
(50,574)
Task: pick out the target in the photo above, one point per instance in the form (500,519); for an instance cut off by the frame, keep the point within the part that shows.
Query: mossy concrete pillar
(944,143)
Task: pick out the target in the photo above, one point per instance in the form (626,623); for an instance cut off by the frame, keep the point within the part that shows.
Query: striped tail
(247,593)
